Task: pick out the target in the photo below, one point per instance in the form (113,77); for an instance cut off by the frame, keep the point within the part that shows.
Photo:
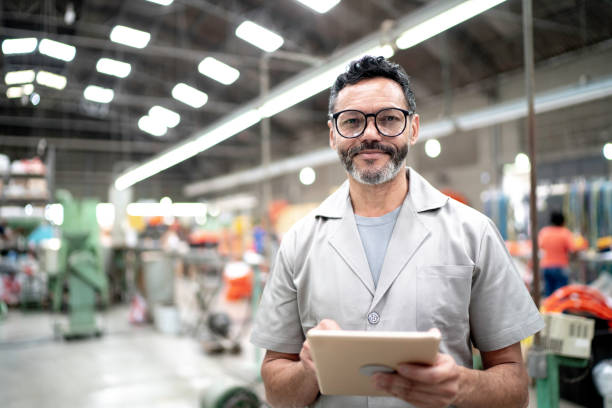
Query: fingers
(443,369)
(328,324)
(424,386)
(421,395)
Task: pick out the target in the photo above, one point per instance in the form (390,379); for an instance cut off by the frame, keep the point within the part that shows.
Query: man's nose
(370,131)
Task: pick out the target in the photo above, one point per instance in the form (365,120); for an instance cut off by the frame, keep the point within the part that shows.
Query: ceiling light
(522,163)
(51,80)
(189,95)
(607,151)
(297,93)
(166,116)
(210,137)
(280,98)
(218,71)
(19,77)
(130,36)
(35,99)
(320,6)
(307,176)
(19,45)
(386,51)
(14,92)
(27,89)
(433,148)
(444,21)
(162,2)
(58,50)
(113,67)
(152,126)
(98,94)
(259,36)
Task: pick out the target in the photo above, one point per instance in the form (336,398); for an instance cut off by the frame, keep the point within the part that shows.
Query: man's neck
(378,199)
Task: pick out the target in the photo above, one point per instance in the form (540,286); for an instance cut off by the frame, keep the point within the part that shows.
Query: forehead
(372,93)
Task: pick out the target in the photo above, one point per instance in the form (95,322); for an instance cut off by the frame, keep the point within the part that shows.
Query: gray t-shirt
(375,233)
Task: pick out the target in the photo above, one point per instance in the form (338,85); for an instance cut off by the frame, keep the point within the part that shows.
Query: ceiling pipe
(558,98)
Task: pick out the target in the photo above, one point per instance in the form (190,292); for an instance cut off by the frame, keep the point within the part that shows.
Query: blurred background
(154,152)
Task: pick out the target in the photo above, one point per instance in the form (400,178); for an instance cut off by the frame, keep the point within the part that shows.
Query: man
(387,251)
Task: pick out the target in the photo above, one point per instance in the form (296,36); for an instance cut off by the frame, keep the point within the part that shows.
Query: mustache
(353,151)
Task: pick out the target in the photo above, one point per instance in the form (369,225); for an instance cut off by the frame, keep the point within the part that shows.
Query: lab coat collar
(423,195)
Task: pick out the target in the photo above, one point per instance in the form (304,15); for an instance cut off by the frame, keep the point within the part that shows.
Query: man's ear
(332,140)
(414,129)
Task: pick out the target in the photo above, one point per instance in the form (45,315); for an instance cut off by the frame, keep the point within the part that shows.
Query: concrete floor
(129,366)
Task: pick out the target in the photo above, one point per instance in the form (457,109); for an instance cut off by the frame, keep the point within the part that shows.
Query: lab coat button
(373,318)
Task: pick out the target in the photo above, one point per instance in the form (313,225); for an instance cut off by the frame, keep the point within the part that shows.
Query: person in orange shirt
(556,243)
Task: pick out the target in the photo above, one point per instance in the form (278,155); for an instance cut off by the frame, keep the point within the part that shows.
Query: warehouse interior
(153,153)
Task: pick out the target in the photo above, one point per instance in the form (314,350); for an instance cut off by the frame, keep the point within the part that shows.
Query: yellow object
(604,242)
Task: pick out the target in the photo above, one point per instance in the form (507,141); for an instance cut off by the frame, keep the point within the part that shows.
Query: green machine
(80,267)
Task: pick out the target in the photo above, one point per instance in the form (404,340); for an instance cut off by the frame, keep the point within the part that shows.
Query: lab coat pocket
(443,297)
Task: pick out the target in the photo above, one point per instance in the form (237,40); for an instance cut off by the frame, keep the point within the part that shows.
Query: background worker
(556,243)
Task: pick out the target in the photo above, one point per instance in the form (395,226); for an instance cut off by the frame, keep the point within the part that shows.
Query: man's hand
(424,386)
(305,356)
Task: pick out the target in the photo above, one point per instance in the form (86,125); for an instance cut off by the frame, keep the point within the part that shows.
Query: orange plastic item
(578,298)
(238,278)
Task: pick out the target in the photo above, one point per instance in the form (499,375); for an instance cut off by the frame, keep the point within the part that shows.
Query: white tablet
(346,359)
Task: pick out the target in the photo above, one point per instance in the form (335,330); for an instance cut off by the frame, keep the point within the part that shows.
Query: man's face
(373,158)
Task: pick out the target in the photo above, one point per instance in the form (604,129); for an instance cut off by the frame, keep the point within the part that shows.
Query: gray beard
(379,176)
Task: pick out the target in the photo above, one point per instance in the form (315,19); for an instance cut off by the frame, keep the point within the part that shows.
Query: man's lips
(371,154)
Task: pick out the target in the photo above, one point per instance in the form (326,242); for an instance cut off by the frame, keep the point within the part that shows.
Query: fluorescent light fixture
(444,21)
(56,49)
(303,91)
(130,36)
(290,93)
(113,67)
(152,126)
(161,2)
(19,77)
(607,151)
(166,116)
(19,45)
(320,6)
(163,210)
(189,149)
(439,128)
(189,95)
(19,91)
(51,80)
(14,92)
(259,36)
(27,89)
(98,94)
(217,70)
(433,148)
(386,51)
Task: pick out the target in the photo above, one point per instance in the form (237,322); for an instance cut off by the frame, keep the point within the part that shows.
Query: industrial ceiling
(95,141)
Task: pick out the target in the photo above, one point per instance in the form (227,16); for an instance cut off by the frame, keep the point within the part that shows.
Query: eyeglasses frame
(334,117)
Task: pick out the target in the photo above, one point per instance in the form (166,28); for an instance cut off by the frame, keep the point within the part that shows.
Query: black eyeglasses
(390,122)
